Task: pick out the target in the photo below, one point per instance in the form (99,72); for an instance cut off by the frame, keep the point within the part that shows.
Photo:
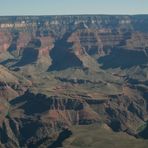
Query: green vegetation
(141,127)
(94,136)
(8,114)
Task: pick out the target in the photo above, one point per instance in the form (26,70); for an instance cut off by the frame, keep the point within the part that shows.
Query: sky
(61,7)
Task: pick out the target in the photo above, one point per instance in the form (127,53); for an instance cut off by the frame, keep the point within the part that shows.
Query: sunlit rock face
(58,72)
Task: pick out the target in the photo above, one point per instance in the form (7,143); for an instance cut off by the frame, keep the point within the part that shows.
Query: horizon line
(95,14)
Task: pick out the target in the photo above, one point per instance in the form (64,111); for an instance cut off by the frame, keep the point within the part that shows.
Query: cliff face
(31,114)
(62,71)
(87,36)
(33,118)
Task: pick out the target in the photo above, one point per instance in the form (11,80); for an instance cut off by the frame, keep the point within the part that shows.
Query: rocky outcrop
(63,56)
(11,86)
(40,114)
(62,71)
(57,109)
(81,39)
(131,113)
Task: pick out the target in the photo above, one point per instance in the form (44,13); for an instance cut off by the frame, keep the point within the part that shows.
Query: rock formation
(57,72)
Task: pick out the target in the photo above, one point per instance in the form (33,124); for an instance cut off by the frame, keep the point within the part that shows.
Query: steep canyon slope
(60,73)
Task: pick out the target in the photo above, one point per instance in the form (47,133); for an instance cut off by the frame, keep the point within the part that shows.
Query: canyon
(63,75)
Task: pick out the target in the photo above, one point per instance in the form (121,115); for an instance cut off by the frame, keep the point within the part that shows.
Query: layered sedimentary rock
(61,71)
